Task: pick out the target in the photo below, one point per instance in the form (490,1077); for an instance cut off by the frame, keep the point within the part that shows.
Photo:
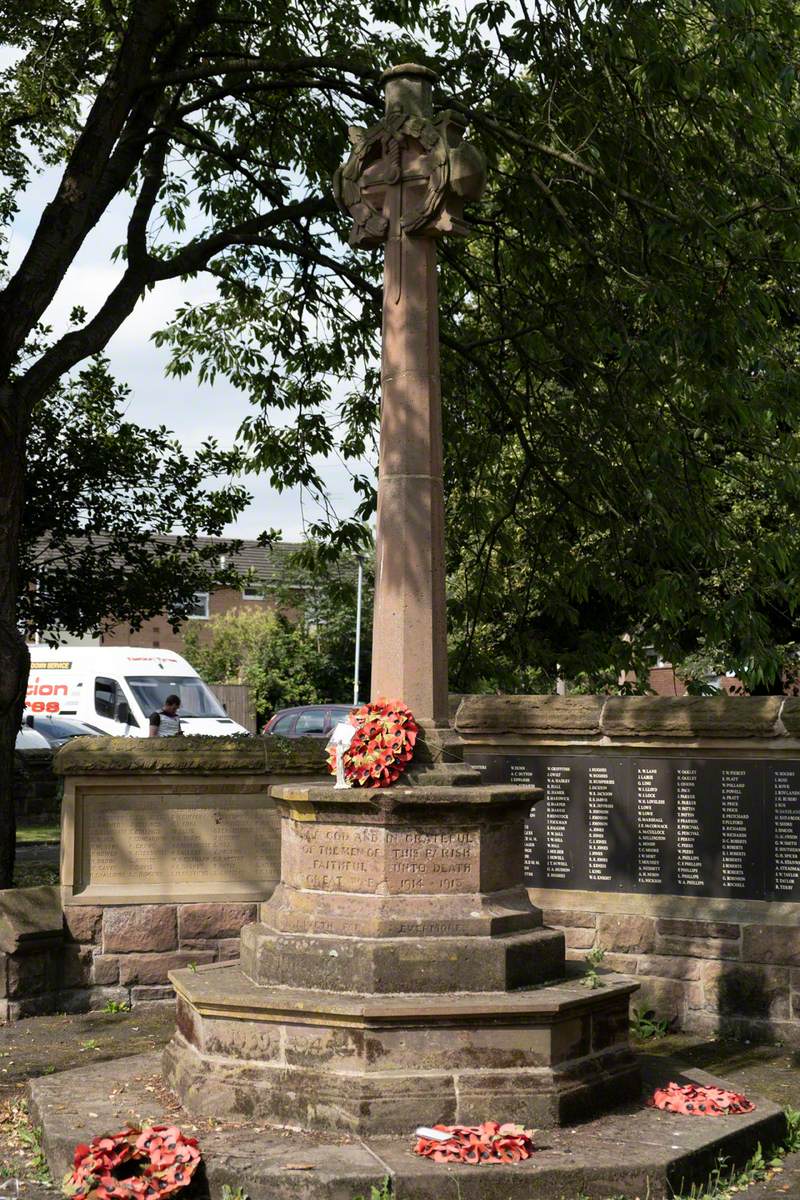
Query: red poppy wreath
(382,745)
(134,1164)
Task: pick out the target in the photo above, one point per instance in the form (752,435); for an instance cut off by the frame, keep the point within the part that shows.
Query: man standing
(166,722)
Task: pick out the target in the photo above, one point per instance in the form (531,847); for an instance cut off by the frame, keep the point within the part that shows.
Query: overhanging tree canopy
(620,340)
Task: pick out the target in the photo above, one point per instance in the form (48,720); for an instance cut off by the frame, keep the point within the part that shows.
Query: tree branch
(91,338)
(67,218)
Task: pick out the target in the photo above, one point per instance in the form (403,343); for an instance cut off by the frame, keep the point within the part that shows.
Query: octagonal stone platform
(382,1064)
(398,974)
(631,1151)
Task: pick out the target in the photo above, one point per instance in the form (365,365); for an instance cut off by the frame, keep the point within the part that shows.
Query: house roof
(265,564)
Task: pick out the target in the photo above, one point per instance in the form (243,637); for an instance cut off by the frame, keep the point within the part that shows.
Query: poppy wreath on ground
(134,1164)
(382,745)
(696,1101)
(489,1142)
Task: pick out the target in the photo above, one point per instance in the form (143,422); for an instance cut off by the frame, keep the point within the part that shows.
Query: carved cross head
(411,173)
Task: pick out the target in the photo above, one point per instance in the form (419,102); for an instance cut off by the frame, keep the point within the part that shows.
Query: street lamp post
(358,628)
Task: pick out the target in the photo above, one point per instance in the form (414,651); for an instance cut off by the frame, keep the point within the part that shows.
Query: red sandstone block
(35,973)
(563,917)
(83,922)
(579,939)
(76,966)
(670,966)
(214,920)
(140,927)
(777,944)
(105,969)
(142,996)
(152,969)
(626,933)
(697,929)
(739,990)
(666,997)
(714,948)
(624,963)
(228,949)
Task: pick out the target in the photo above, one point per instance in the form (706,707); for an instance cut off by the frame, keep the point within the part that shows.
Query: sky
(191,410)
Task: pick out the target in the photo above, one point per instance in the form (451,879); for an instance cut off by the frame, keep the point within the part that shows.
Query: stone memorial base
(385,1064)
(635,1151)
(400,975)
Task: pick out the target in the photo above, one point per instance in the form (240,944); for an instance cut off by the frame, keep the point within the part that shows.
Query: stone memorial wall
(167,847)
(669,837)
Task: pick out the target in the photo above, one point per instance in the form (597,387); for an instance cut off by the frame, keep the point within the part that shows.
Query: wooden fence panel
(236,700)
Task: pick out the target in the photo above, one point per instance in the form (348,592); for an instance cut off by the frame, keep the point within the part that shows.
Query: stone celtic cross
(404,185)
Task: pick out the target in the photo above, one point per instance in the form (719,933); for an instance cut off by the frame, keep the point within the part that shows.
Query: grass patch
(34,874)
(22,1154)
(725,1181)
(31,835)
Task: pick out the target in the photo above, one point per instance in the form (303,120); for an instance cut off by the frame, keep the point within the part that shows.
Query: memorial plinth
(396,977)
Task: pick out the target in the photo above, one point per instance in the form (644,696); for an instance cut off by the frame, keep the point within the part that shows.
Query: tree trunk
(14,657)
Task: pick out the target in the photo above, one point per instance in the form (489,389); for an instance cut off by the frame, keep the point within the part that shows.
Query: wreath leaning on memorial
(382,745)
(134,1164)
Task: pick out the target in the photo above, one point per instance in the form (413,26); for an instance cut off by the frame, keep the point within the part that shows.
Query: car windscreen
(150,692)
(53,727)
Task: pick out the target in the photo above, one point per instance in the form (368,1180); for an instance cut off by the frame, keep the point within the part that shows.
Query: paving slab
(634,1151)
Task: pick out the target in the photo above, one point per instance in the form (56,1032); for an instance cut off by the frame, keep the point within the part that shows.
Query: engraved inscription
(786,789)
(706,825)
(341,858)
(160,840)
(333,858)
(432,862)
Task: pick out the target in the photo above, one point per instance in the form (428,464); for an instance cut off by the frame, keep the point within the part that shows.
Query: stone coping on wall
(696,908)
(771,722)
(229,755)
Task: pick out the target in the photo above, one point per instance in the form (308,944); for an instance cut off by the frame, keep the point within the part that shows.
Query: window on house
(199,610)
(252,591)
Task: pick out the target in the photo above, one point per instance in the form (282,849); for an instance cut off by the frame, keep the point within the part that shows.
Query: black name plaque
(678,826)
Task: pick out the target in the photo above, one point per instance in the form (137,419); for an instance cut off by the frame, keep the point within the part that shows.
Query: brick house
(265,568)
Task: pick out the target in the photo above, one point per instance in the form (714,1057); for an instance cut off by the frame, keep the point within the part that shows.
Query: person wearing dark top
(166,722)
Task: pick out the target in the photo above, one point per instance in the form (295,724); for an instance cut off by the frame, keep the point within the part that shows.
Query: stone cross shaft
(404,185)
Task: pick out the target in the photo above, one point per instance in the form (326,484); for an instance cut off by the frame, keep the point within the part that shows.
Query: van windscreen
(150,692)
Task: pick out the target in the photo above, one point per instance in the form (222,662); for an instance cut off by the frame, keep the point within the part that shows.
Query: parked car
(57,730)
(307,720)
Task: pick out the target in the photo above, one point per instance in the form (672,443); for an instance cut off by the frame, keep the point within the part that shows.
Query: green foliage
(591,976)
(646,1026)
(622,451)
(29,835)
(100,491)
(792,1142)
(303,657)
(620,337)
(231,1193)
(116,1006)
(724,1181)
(383,1192)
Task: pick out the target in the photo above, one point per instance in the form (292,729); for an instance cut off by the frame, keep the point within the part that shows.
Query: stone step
(633,1151)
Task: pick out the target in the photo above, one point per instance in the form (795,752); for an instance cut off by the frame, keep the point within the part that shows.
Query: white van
(116,688)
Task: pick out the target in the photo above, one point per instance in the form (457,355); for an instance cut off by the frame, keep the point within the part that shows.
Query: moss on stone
(242,755)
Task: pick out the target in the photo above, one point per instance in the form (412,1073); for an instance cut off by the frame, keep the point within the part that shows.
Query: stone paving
(44,1045)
